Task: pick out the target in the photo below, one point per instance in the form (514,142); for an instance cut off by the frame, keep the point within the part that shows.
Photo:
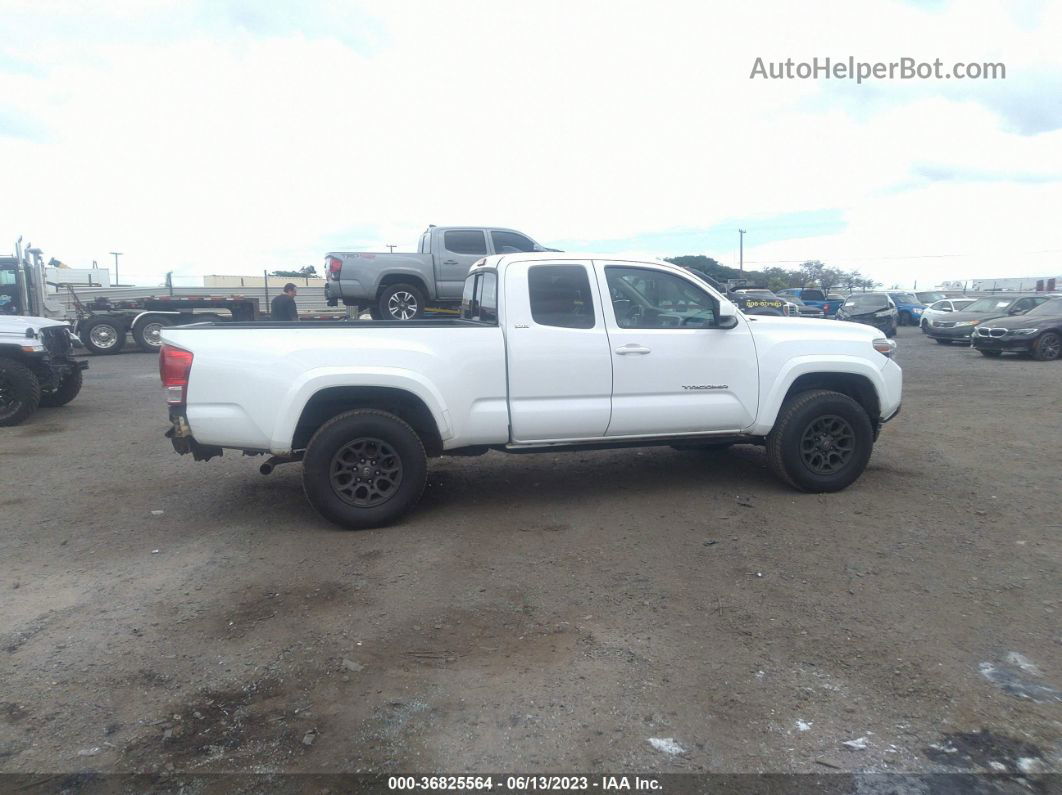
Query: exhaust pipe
(275,461)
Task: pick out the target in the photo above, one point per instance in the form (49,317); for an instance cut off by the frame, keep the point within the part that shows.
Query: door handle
(450,262)
(632,348)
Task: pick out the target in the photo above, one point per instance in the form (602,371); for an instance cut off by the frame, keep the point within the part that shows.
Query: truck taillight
(334,266)
(174,366)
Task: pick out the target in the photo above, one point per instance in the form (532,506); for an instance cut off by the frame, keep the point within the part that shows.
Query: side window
(468,297)
(465,241)
(653,299)
(1024,305)
(510,243)
(479,300)
(812,295)
(486,298)
(560,296)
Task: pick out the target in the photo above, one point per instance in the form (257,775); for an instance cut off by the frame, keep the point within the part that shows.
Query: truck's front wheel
(364,468)
(20,392)
(401,302)
(821,441)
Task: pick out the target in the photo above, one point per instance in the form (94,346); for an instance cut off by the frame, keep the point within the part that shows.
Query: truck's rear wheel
(20,392)
(148,333)
(821,441)
(401,302)
(364,468)
(101,335)
(67,390)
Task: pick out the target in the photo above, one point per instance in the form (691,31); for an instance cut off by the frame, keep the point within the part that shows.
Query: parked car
(552,352)
(941,309)
(1037,332)
(800,309)
(871,309)
(960,325)
(908,307)
(403,286)
(813,297)
(755,301)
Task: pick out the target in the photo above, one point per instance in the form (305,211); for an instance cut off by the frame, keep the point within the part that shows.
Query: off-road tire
(796,418)
(21,384)
(1047,348)
(386,309)
(93,347)
(344,429)
(141,336)
(65,392)
(891,332)
(906,319)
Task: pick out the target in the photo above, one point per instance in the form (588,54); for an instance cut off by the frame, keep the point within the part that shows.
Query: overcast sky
(228,137)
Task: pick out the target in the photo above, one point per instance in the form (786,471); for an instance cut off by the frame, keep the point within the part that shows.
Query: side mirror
(727,315)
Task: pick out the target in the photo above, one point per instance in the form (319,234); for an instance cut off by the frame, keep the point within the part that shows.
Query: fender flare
(313,381)
(135,320)
(833,364)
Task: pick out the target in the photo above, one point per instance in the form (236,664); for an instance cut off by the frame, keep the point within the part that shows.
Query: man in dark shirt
(283,306)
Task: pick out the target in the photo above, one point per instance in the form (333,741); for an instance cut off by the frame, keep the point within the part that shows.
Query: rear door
(455,251)
(560,368)
(673,371)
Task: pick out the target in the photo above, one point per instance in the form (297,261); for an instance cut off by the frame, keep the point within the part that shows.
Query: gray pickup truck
(404,286)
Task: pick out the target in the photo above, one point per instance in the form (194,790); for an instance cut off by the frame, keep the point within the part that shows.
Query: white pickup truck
(551,352)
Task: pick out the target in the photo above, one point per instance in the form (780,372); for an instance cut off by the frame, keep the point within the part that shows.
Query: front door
(674,371)
(453,256)
(560,368)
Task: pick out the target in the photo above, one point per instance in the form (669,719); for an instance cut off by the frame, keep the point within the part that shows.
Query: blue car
(909,307)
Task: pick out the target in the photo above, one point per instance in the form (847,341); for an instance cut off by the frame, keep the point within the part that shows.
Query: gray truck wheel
(821,441)
(364,468)
(147,333)
(66,391)
(401,302)
(103,336)
(20,392)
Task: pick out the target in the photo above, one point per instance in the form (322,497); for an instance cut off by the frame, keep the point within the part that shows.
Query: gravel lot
(647,610)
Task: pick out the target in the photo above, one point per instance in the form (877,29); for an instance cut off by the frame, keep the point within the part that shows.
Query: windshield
(758,293)
(989,305)
(866,303)
(930,297)
(1052,307)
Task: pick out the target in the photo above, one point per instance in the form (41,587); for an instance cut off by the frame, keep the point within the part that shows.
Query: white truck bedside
(552,351)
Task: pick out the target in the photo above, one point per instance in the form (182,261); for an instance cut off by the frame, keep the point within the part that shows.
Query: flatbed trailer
(104,325)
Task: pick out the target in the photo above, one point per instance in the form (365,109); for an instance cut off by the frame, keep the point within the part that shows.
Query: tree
(830,277)
(778,278)
(307,271)
(809,272)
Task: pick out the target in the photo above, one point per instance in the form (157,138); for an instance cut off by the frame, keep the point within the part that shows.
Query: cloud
(238,136)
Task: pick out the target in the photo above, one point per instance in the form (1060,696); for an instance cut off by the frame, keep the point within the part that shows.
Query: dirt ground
(649,610)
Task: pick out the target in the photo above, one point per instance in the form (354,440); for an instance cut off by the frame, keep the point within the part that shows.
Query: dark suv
(960,325)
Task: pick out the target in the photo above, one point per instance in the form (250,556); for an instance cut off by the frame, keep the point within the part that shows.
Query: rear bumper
(180,436)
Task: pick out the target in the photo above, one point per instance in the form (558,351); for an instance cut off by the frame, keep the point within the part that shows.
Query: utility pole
(741,244)
(391,247)
(116,254)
